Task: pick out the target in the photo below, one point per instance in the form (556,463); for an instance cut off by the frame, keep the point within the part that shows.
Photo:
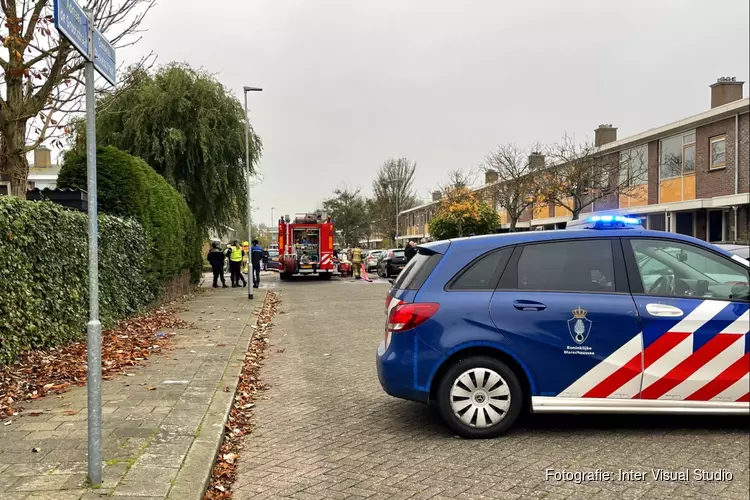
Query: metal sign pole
(94,326)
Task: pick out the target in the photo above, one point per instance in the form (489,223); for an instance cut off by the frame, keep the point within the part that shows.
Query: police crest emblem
(579,325)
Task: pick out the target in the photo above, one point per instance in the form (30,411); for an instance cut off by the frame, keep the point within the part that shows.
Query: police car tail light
(407,316)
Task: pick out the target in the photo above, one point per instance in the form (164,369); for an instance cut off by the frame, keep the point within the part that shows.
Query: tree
(393,193)
(41,74)
(348,209)
(191,130)
(458,178)
(516,188)
(580,175)
(461,214)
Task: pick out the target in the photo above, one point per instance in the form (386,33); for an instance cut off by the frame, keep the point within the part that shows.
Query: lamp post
(249,203)
(272,221)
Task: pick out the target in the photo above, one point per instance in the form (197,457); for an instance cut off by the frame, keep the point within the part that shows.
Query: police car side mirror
(682,256)
(391,281)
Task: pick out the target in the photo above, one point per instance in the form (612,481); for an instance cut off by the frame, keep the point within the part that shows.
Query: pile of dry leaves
(240,422)
(39,373)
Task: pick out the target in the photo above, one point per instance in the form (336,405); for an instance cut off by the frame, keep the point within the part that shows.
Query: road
(326,430)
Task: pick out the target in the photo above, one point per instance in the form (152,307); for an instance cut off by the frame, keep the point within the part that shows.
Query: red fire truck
(306,245)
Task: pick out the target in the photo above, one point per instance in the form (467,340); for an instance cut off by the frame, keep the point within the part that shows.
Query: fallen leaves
(239,423)
(40,373)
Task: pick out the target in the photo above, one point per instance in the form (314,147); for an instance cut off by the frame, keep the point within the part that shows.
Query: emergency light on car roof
(606,222)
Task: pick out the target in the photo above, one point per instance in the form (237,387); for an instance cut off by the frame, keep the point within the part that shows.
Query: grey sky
(348,84)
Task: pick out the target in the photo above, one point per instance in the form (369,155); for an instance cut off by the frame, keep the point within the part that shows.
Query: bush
(44,274)
(128,187)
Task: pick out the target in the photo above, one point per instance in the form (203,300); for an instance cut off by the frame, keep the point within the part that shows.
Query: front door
(694,309)
(565,306)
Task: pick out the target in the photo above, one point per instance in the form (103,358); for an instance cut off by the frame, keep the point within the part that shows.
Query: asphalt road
(326,430)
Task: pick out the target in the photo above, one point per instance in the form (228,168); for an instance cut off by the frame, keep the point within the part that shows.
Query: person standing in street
(410,251)
(256,256)
(235,264)
(216,259)
(357,262)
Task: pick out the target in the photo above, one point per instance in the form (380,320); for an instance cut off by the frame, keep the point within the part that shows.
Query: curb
(195,473)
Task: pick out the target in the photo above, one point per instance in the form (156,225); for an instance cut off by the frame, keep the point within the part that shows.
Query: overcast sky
(350,83)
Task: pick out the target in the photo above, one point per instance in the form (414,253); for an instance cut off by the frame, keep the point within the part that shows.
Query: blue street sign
(104,58)
(72,23)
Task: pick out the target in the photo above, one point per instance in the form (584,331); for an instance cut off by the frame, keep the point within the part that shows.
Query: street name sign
(71,21)
(104,58)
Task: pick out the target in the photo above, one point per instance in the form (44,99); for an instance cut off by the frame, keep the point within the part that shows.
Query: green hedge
(128,187)
(44,274)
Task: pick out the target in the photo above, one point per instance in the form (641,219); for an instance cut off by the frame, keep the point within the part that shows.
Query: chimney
(436,195)
(536,160)
(42,157)
(726,89)
(490,176)
(605,134)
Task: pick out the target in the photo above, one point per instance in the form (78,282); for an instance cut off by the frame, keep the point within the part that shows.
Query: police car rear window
(417,270)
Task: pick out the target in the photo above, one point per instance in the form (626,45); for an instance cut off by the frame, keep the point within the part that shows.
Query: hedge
(44,274)
(128,187)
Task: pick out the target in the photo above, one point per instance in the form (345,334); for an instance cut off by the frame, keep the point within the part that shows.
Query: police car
(602,317)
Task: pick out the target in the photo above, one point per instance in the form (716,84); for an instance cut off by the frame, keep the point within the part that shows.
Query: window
(417,270)
(680,270)
(634,166)
(657,222)
(677,156)
(567,266)
(4,189)
(482,273)
(718,152)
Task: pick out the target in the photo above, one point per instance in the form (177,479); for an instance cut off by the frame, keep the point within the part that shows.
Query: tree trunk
(15,165)
(513,223)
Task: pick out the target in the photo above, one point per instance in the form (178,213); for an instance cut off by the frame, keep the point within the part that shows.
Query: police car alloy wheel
(480,397)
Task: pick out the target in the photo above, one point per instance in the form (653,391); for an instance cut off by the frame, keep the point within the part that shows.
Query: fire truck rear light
(408,316)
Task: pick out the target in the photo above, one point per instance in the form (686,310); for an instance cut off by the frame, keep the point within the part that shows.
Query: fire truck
(306,246)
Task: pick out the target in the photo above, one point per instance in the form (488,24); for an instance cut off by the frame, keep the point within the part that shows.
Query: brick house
(695,181)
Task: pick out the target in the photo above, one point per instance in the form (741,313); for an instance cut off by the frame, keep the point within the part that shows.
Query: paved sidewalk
(162,425)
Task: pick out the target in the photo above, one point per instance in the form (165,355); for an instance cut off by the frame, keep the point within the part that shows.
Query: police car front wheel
(480,397)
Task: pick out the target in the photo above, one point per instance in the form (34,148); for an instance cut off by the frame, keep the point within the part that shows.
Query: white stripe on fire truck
(709,371)
(605,368)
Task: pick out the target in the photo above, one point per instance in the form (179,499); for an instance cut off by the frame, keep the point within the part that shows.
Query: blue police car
(601,317)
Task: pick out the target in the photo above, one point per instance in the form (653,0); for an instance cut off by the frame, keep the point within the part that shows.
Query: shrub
(128,187)
(44,274)
(461,214)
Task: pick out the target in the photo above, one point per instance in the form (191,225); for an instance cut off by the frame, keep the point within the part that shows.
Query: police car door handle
(529,305)
(664,310)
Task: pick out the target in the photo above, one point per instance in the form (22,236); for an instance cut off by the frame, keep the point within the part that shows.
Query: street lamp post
(272,221)
(249,203)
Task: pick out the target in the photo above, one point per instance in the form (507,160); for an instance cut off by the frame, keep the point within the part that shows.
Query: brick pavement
(146,433)
(325,429)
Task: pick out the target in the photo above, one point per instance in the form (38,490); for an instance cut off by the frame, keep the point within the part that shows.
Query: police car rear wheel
(480,397)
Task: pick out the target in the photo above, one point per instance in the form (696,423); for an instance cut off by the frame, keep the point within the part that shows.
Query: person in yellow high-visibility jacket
(235,264)
(246,249)
(357,262)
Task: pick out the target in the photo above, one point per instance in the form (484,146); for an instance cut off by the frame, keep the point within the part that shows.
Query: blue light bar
(606,222)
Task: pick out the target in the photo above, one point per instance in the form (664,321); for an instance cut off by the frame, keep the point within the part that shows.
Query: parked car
(736,248)
(391,262)
(273,260)
(371,259)
(606,317)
